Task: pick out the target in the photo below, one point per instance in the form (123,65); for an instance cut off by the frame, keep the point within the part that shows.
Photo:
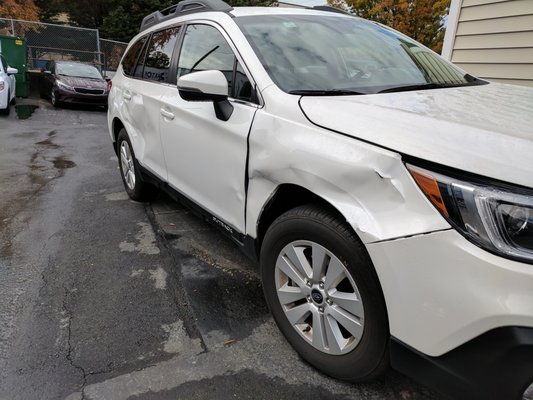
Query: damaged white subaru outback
(387,194)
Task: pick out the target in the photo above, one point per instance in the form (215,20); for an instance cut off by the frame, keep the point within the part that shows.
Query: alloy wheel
(128,167)
(319,297)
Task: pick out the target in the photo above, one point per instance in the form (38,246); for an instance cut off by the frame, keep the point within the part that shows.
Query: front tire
(324,294)
(53,98)
(129,169)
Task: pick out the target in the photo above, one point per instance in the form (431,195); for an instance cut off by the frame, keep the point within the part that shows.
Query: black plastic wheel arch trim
(497,365)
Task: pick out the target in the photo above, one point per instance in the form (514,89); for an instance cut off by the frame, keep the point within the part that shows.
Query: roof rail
(182,8)
(330,9)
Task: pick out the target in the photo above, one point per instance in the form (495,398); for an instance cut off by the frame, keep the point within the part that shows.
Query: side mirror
(207,86)
(12,71)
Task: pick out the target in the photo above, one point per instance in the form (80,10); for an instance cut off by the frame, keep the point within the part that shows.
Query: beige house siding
(492,39)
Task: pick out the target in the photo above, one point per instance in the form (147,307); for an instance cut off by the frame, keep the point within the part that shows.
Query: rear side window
(129,60)
(138,72)
(159,55)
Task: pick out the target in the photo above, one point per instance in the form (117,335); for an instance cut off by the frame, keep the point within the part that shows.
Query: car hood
(487,129)
(85,83)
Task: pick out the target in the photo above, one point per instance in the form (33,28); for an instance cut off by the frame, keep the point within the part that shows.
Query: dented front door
(205,156)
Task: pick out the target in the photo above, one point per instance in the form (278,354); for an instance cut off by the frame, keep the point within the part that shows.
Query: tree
(19,9)
(422,20)
(49,10)
(118,20)
(87,13)
(121,19)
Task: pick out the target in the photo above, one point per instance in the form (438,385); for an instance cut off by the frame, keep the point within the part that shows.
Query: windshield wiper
(203,58)
(330,92)
(424,86)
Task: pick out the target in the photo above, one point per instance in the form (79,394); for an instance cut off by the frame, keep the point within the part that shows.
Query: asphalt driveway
(105,298)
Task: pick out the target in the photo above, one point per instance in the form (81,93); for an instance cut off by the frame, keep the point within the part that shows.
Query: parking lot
(105,298)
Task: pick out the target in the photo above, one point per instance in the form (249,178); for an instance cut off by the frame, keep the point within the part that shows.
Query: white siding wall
(492,39)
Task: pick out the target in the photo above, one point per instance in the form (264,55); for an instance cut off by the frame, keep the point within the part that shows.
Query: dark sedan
(74,83)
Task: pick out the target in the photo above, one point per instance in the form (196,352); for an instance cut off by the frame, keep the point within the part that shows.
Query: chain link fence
(112,52)
(59,42)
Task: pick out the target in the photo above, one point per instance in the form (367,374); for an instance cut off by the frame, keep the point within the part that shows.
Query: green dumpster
(13,48)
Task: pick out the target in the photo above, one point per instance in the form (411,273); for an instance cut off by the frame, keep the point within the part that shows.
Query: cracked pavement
(105,298)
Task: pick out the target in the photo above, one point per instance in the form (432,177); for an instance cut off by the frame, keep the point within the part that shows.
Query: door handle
(167,114)
(127,96)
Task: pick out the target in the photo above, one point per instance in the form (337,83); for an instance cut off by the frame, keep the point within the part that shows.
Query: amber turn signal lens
(430,187)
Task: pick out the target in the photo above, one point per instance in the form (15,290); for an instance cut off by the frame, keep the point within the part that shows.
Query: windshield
(78,70)
(344,55)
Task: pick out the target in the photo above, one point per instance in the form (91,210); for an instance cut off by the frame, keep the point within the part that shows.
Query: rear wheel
(324,294)
(131,175)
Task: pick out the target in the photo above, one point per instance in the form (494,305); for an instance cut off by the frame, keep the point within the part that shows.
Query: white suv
(7,86)
(387,194)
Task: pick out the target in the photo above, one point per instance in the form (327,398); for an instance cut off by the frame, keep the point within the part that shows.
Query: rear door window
(130,59)
(138,72)
(159,55)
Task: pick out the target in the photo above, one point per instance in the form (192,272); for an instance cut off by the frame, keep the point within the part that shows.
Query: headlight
(2,85)
(497,218)
(64,86)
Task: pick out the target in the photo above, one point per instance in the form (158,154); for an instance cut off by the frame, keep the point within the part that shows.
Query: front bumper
(69,97)
(496,365)
(442,291)
(461,318)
